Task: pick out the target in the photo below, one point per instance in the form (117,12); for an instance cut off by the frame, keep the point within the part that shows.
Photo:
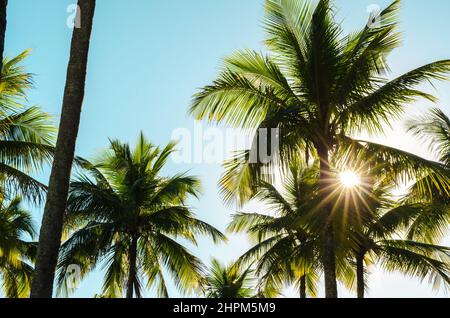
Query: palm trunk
(360,275)
(303,287)
(132,254)
(3,21)
(52,223)
(328,248)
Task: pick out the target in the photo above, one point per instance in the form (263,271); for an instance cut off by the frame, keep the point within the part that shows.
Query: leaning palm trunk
(3,6)
(51,229)
(328,252)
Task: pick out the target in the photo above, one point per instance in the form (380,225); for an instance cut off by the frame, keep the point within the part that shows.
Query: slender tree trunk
(52,223)
(328,248)
(3,21)
(132,269)
(303,287)
(360,275)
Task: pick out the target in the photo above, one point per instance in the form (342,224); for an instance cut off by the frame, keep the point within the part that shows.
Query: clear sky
(149,56)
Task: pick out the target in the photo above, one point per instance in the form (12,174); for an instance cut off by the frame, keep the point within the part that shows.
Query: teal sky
(148,57)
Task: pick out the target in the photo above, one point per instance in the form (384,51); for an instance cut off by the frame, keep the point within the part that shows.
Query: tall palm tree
(52,223)
(3,21)
(26,134)
(16,254)
(228,282)
(318,87)
(127,216)
(286,252)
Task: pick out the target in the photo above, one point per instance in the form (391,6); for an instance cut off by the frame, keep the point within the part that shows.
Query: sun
(350,179)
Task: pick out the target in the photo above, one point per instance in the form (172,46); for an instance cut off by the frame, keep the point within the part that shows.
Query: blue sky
(149,56)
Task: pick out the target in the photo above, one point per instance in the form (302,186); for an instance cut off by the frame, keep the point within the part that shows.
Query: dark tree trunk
(361,286)
(303,287)
(3,6)
(132,269)
(328,248)
(52,223)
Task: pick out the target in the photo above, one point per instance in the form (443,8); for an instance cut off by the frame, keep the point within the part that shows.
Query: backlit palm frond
(184,267)
(153,269)
(179,221)
(387,101)
(239,181)
(19,183)
(398,165)
(115,277)
(262,70)
(175,189)
(324,49)
(15,83)
(246,222)
(31,125)
(434,127)
(287,24)
(235,100)
(365,54)
(80,254)
(431,225)
(413,259)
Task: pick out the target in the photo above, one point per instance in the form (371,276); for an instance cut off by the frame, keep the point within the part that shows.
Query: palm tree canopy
(229,282)
(124,199)
(317,86)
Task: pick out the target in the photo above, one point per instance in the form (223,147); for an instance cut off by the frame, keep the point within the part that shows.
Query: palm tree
(317,87)
(285,250)
(127,216)
(380,242)
(52,223)
(26,134)
(3,21)
(15,253)
(388,232)
(287,243)
(228,282)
